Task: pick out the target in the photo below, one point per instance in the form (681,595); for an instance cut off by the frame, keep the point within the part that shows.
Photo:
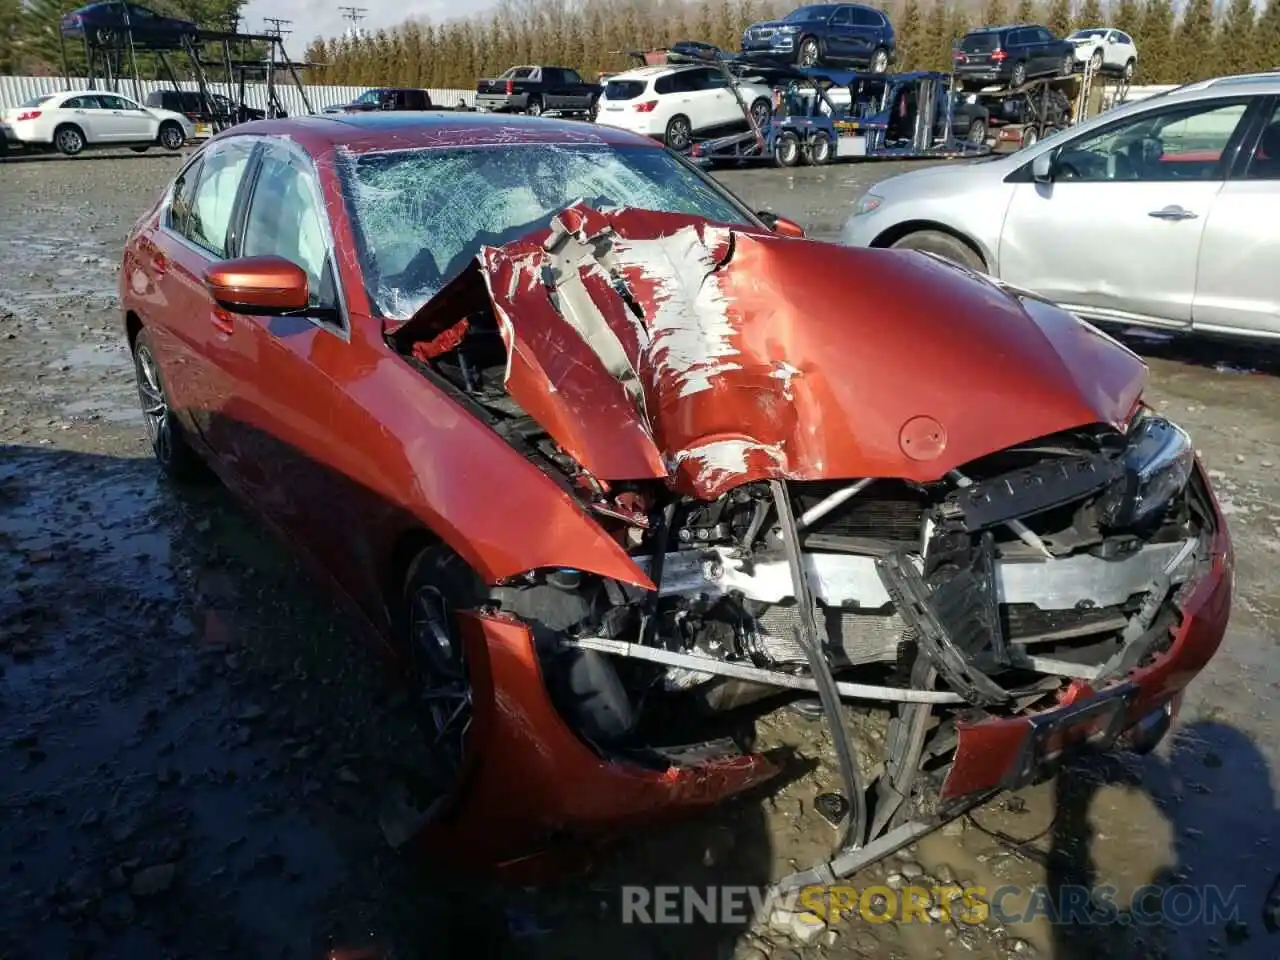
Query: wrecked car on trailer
(596,464)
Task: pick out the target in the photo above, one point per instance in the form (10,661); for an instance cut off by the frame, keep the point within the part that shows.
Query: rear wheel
(69,139)
(880,61)
(679,133)
(1095,61)
(1068,65)
(168,444)
(786,152)
(819,151)
(1019,74)
(535,107)
(141,148)
(1030,136)
(943,245)
(977,132)
(1129,67)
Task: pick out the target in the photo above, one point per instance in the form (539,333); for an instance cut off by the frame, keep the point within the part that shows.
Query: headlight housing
(788,31)
(867,203)
(1157,467)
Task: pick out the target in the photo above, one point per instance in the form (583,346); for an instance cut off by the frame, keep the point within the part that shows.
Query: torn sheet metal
(660,345)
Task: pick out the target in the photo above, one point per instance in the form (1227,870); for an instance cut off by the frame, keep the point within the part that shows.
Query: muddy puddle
(196,747)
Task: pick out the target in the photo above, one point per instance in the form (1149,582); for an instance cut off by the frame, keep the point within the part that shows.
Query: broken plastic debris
(832,807)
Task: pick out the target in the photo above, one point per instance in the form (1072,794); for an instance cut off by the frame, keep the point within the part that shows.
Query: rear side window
(215,195)
(863,17)
(980,42)
(625,89)
(184,187)
(82,103)
(843,17)
(571,76)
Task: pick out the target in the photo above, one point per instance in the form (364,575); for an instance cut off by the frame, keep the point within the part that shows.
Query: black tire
(175,456)
(171,136)
(879,61)
(68,139)
(944,245)
(818,150)
(808,53)
(761,111)
(534,108)
(977,132)
(1068,65)
(786,150)
(438,584)
(1095,61)
(1030,136)
(1018,75)
(1129,68)
(593,110)
(679,133)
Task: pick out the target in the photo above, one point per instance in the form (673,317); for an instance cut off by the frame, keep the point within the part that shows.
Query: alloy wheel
(69,141)
(809,53)
(880,62)
(155,405)
(679,133)
(171,138)
(441,673)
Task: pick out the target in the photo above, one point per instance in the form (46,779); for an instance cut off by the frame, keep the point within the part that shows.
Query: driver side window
(1179,143)
(286,219)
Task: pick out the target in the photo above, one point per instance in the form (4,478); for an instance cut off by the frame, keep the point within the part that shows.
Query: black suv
(830,33)
(386,98)
(198,110)
(1012,54)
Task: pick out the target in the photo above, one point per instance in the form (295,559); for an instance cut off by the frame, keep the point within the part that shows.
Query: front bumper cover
(536,785)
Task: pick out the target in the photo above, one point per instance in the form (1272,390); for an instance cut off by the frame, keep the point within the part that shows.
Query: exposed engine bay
(988,590)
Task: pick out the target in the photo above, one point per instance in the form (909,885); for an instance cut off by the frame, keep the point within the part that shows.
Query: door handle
(1173,212)
(222,321)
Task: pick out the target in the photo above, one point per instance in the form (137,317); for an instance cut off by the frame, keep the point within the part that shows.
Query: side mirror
(781,225)
(1042,167)
(262,286)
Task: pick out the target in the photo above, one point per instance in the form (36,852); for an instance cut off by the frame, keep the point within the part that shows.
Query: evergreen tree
(1193,39)
(936,39)
(1266,52)
(1127,16)
(910,36)
(995,13)
(1090,15)
(1233,48)
(1025,11)
(1059,18)
(1155,53)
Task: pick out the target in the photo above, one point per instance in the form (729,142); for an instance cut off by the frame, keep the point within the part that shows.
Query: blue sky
(312,18)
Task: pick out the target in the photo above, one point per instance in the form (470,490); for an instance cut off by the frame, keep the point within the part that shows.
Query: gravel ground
(194,747)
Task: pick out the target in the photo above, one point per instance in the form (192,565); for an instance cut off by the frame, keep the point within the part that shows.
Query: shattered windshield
(422,215)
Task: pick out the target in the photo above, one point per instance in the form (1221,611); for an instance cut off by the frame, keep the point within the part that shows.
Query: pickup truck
(537,90)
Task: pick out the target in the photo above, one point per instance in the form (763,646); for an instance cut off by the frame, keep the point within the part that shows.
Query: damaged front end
(954,510)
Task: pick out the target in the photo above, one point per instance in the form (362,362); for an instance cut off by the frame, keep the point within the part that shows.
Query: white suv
(1108,49)
(72,121)
(676,103)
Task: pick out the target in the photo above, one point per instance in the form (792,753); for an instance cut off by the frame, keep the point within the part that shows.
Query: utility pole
(277,26)
(355,15)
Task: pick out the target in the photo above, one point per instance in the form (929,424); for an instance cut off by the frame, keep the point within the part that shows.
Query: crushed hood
(661,346)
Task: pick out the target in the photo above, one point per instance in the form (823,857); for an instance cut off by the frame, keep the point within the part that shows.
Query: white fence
(15,90)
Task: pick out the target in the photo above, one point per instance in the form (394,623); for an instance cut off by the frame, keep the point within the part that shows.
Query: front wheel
(977,132)
(943,245)
(1129,67)
(761,110)
(141,148)
(880,61)
(1030,136)
(808,53)
(437,585)
(1095,61)
(1068,65)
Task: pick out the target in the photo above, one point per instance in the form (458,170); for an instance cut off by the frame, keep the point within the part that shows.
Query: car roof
(648,73)
(362,132)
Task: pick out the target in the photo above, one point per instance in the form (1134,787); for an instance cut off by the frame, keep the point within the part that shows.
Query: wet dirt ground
(194,746)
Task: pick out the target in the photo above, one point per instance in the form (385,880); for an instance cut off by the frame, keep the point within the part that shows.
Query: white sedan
(676,103)
(1158,213)
(80,119)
